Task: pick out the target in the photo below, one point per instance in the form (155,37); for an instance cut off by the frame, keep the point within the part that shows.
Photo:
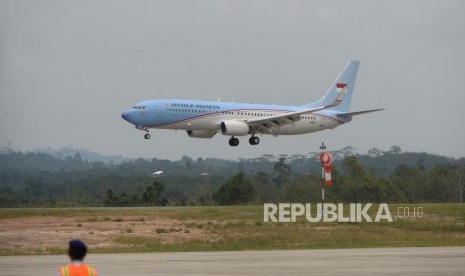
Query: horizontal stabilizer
(359,112)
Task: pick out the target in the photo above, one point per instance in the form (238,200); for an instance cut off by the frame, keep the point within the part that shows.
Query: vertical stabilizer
(346,80)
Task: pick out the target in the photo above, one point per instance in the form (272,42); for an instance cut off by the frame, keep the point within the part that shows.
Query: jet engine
(234,128)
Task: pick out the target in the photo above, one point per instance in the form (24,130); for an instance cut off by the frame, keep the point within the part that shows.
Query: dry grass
(46,231)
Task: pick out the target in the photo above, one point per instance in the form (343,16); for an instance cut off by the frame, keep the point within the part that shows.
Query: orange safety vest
(77,270)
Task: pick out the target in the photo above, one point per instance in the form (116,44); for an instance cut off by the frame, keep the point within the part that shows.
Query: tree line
(39,179)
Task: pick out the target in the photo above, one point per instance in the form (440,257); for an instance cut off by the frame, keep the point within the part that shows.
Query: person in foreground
(77,251)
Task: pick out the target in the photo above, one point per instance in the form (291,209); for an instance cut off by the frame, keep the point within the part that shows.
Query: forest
(77,178)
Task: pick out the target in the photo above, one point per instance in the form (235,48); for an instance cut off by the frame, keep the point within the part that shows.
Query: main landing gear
(234,142)
(254,140)
(147,136)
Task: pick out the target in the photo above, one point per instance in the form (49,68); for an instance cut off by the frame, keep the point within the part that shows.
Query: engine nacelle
(234,128)
(200,133)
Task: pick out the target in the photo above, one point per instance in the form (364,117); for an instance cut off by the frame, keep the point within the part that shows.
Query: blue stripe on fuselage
(158,113)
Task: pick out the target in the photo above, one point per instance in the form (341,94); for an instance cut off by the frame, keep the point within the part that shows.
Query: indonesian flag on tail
(326,159)
(340,87)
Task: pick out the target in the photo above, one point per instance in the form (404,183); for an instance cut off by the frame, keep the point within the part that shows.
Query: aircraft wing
(290,117)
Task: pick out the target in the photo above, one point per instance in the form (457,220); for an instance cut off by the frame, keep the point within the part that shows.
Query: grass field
(113,230)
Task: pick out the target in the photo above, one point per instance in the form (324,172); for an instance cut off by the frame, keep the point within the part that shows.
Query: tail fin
(345,80)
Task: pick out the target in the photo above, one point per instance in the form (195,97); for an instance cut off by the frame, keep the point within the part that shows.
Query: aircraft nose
(125,115)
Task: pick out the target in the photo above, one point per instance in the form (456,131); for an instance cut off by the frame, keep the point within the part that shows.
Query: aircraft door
(322,121)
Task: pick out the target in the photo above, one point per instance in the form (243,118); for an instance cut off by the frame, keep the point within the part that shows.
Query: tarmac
(372,261)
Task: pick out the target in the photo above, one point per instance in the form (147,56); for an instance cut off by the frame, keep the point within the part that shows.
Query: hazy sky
(69,68)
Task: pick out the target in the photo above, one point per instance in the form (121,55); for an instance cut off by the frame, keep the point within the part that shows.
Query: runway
(373,261)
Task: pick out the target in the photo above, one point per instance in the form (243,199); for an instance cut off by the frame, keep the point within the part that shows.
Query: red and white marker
(326,159)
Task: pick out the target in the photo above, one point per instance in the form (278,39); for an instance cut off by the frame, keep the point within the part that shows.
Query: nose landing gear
(146,129)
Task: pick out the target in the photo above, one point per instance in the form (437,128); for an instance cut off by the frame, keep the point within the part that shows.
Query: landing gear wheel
(254,140)
(233,142)
(147,136)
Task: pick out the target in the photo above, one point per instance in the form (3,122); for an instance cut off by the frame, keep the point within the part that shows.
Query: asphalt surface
(374,261)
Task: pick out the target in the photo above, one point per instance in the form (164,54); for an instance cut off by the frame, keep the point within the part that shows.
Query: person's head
(77,250)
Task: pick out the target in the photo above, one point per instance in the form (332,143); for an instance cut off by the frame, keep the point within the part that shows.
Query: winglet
(286,117)
(342,88)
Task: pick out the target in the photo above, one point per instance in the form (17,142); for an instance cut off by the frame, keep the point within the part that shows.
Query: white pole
(322,147)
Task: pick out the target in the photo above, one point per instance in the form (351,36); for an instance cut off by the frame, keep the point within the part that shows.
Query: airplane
(204,119)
